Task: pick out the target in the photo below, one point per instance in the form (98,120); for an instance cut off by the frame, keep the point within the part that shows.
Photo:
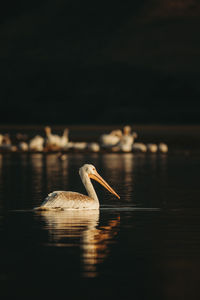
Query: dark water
(144,246)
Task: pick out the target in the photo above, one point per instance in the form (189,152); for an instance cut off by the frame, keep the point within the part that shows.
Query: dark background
(87,62)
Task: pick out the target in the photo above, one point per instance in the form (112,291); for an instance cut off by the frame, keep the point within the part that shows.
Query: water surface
(146,244)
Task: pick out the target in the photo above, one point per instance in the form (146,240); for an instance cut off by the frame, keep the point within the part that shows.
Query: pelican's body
(23,146)
(54,141)
(69,200)
(111,139)
(126,142)
(6,143)
(64,139)
(1,139)
(153,148)
(139,147)
(73,200)
(36,143)
(162,147)
(79,145)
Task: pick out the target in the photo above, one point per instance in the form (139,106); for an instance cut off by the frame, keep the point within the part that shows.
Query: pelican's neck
(88,186)
(65,132)
(48,133)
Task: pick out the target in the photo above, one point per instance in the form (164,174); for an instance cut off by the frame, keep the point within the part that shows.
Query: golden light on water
(66,227)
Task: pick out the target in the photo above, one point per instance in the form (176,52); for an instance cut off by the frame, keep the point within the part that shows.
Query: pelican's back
(68,200)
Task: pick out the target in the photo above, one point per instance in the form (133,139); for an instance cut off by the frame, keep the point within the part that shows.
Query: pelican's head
(66,131)
(127,130)
(47,130)
(92,173)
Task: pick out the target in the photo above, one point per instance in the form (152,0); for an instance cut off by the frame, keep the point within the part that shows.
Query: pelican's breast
(69,200)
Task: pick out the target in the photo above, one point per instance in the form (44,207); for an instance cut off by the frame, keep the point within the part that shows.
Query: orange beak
(99,179)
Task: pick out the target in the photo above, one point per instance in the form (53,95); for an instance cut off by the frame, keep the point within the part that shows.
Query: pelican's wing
(63,199)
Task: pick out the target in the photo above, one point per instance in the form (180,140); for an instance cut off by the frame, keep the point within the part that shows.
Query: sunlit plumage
(153,148)
(127,140)
(36,143)
(111,139)
(73,200)
(94,147)
(139,147)
(54,141)
(162,147)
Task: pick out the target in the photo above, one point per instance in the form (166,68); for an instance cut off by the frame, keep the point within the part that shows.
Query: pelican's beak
(99,179)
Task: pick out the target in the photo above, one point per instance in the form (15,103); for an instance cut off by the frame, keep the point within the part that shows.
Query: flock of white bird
(115,141)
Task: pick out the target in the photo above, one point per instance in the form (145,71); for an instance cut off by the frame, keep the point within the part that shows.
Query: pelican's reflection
(95,245)
(72,228)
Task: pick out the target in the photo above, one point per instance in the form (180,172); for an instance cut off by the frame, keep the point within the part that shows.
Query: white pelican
(23,146)
(6,143)
(153,148)
(139,147)
(126,142)
(52,141)
(72,200)
(79,146)
(36,143)
(64,139)
(162,147)
(94,147)
(127,132)
(111,139)
(1,139)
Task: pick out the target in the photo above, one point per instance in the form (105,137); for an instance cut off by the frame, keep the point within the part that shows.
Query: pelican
(1,139)
(23,146)
(139,147)
(162,147)
(127,139)
(126,142)
(79,146)
(62,200)
(6,143)
(94,147)
(64,139)
(153,148)
(36,143)
(111,139)
(54,141)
